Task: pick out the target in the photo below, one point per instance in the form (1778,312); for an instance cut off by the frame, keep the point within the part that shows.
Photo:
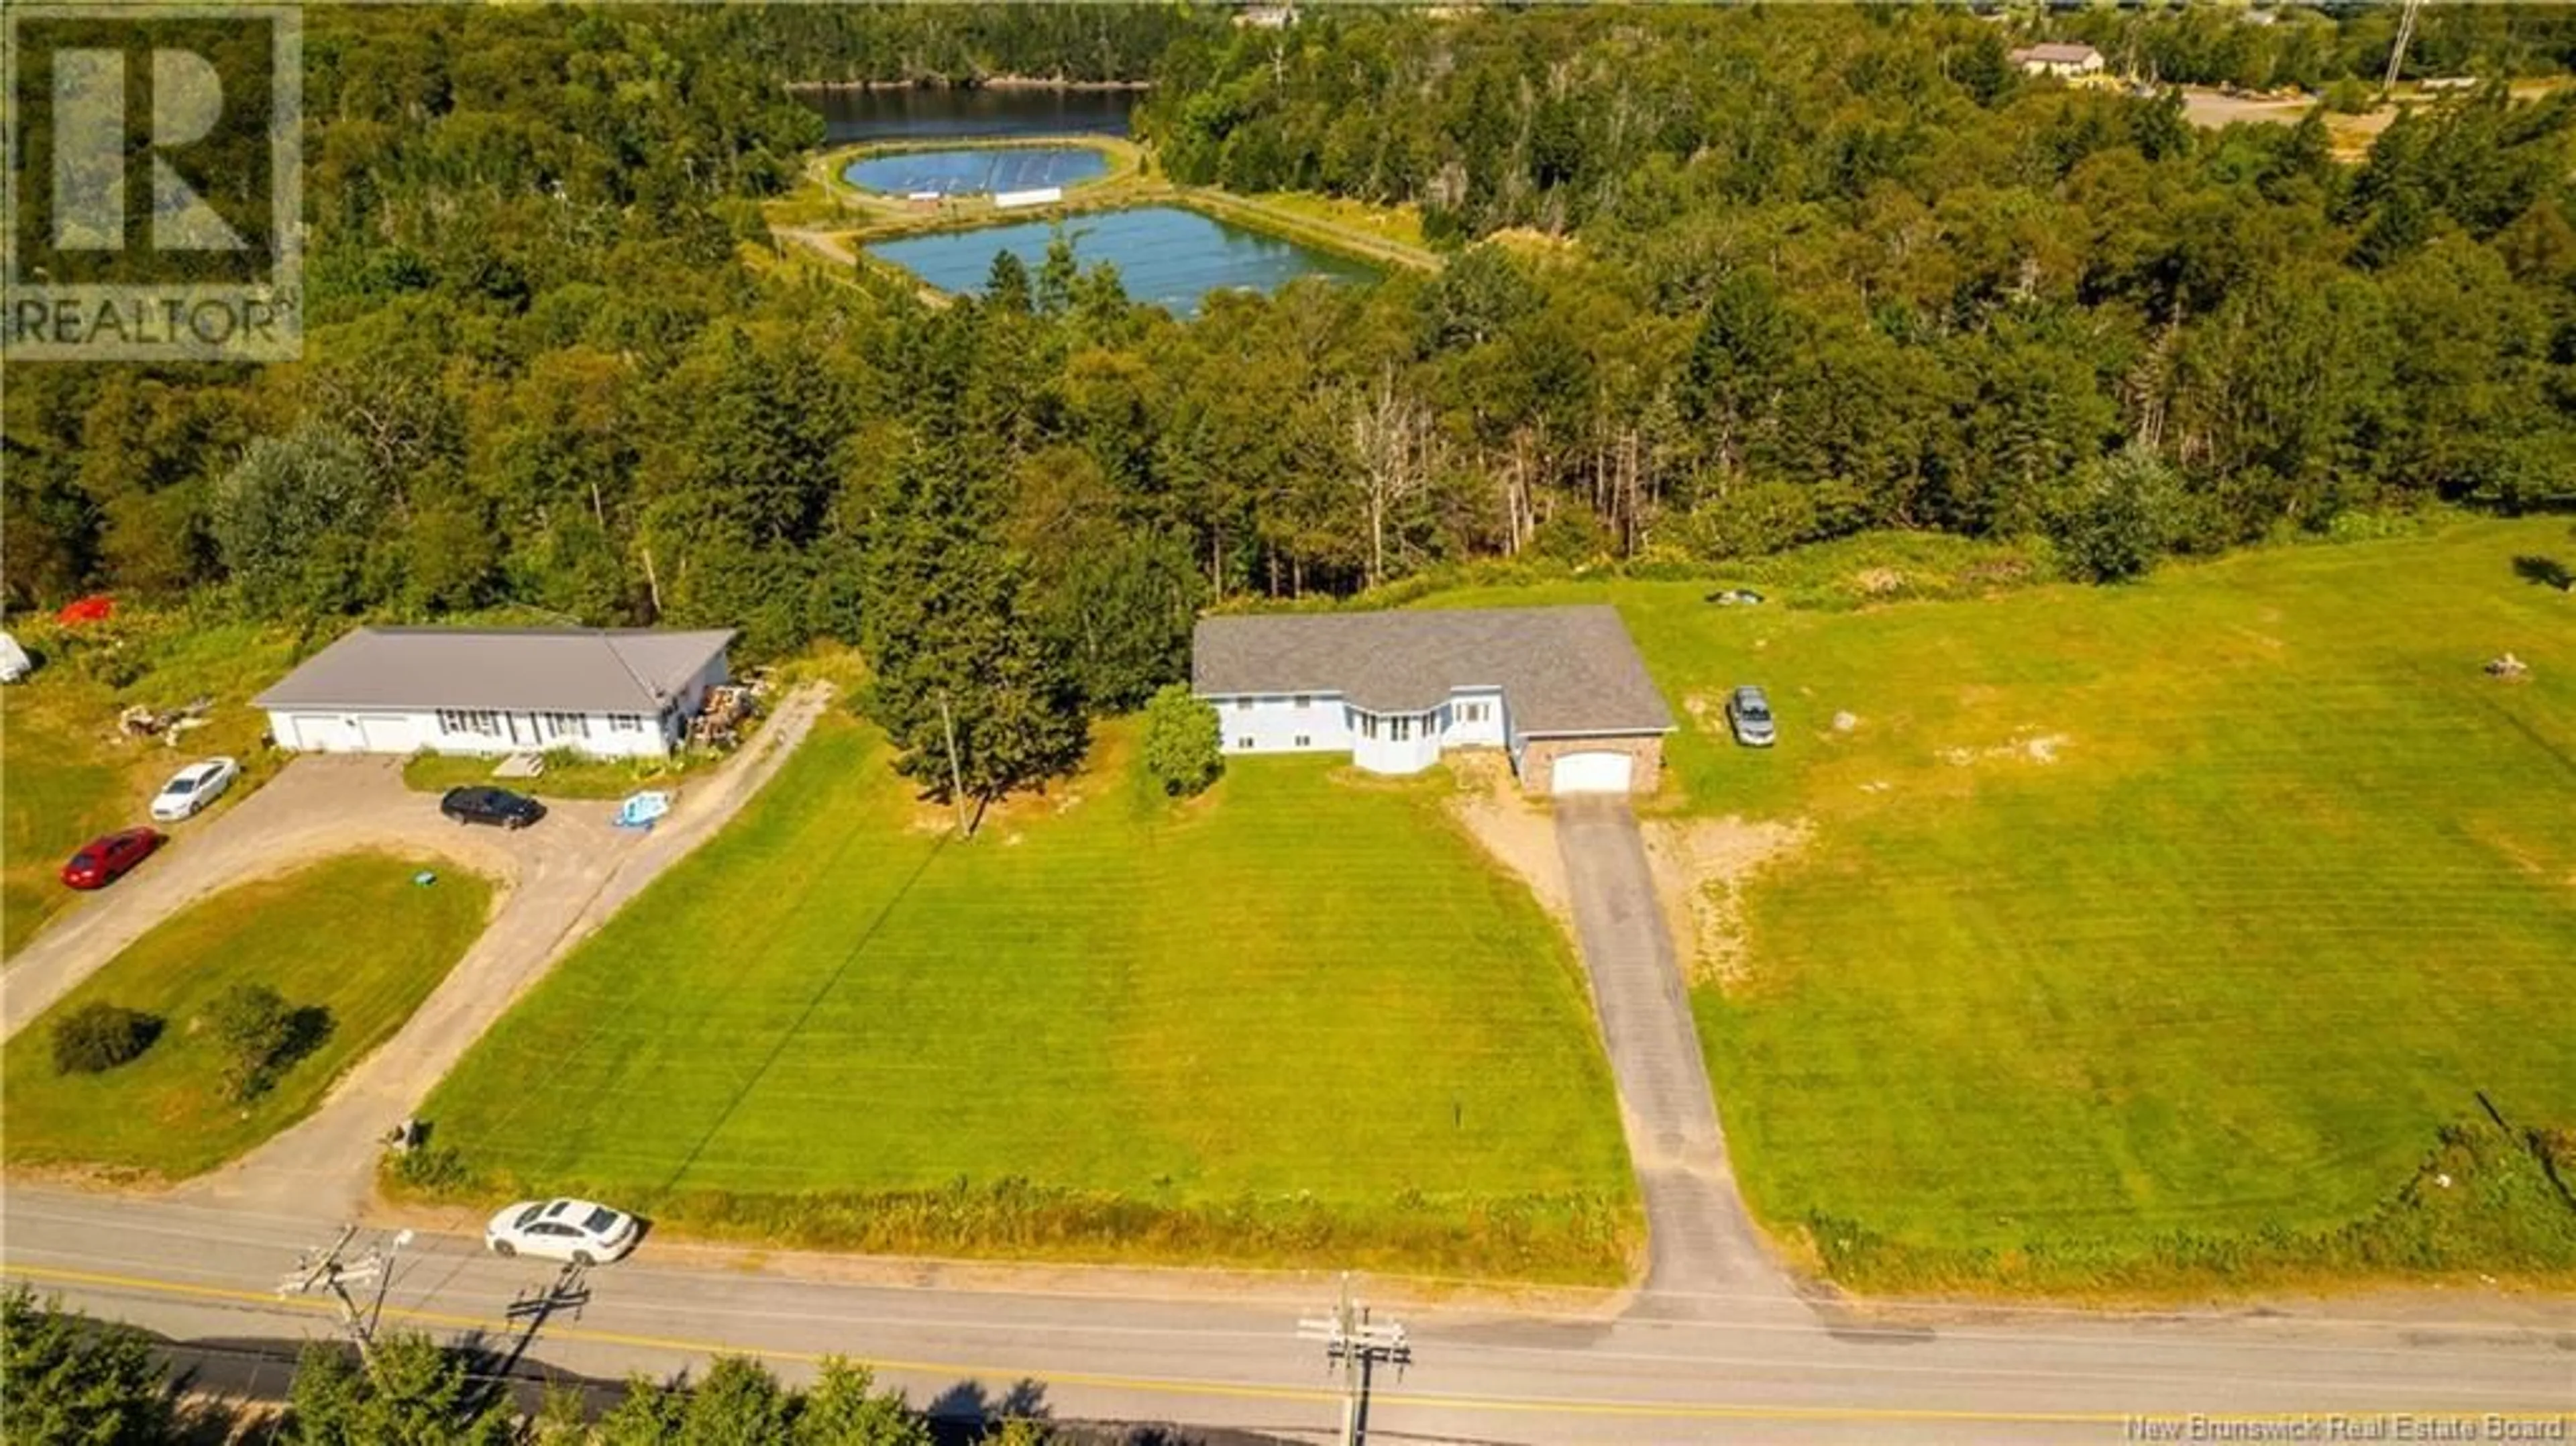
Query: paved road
(1221,1352)
(1701,1243)
(557,882)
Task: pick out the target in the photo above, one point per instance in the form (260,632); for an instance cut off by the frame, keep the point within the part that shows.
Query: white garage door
(326,733)
(388,733)
(1591,773)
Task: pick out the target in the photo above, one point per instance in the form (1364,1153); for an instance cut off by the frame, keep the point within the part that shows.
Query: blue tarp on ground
(640,810)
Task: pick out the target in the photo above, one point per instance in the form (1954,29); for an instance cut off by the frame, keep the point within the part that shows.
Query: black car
(491,805)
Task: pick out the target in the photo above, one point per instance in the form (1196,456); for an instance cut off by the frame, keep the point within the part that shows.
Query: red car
(102,861)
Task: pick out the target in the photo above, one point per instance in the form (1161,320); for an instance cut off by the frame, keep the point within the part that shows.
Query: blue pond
(974,172)
(1165,255)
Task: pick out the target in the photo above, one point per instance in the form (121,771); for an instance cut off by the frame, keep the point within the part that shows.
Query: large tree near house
(964,683)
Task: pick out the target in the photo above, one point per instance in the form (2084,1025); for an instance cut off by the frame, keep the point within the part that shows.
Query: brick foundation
(1538,760)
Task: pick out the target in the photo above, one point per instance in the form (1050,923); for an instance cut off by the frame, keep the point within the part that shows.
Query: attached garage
(321,733)
(1591,773)
(389,733)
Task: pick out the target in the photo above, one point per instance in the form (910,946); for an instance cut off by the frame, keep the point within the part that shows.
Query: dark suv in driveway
(497,806)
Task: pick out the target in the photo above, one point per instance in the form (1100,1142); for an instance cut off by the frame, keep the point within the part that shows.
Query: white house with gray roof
(607,692)
(1561,690)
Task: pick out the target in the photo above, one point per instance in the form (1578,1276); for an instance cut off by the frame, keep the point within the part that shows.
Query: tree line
(74,1379)
(1717,283)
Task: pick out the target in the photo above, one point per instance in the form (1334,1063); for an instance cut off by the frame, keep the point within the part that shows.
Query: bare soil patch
(1518,832)
(2033,748)
(1700,867)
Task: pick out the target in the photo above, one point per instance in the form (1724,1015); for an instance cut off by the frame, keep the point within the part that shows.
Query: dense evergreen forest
(1719,282)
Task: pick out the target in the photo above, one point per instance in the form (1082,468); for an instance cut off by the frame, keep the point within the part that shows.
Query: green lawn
(567,777)
(354,936)
(2299,881)
(1301,1019)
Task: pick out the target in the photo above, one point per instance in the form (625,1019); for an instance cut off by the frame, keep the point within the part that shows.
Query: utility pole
(1354,1346)
(956,775)
(2397,52)
(329,1268)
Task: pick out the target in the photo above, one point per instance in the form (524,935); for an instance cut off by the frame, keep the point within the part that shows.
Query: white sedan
(575,1230)
(193,787)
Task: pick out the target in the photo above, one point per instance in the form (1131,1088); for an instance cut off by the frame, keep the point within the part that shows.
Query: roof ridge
(651,693)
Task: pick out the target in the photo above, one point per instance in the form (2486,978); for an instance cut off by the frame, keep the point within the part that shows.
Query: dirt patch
(1700,867)
(1879,581)
(1516,832)
(2033,748)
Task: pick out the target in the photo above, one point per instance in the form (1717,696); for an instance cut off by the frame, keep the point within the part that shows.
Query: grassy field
(1299,1020)
(65,775)
(569,777)
(2189,909)
(354,936)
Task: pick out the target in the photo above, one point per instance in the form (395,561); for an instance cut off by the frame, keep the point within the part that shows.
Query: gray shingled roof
(1562,670)
(539,670)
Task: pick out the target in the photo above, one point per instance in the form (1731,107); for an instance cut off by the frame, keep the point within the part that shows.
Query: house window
(1368,725)
(1244,744)
(1471,712)
(1403,728)
(1303,741)
(481,721)
(1243,705)
(564,725)
(1302,700)
(625,722)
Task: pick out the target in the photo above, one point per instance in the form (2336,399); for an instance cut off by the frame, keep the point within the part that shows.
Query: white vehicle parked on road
(575,1230)
(193,787)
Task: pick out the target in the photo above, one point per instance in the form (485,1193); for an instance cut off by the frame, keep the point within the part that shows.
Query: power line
(1354,1347)
(328,1268)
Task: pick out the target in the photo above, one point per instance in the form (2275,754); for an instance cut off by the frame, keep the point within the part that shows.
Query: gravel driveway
(1704,1254)
(553,884)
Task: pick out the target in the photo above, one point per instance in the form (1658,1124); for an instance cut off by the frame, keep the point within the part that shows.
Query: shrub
(1753,520)
(99,1036)
(2116,517)
(260,1036)
(430,1169)
(1183,748)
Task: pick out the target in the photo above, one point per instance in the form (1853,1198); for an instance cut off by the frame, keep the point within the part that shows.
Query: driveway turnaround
(1222,1351)
(1703,1250)
(555,883)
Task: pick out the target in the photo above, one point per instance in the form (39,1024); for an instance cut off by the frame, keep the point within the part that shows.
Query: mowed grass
(2193,907)
(1300,1019)
(55,791)
(354,936)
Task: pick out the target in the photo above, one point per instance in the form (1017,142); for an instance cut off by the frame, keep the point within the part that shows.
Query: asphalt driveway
(1705,1256)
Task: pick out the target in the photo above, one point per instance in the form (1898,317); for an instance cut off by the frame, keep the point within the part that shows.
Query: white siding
(1462,730)
(487,732)
(389,732)
(1396,742)
(1275,723)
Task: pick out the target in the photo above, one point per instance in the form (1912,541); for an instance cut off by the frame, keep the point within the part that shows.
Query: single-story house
(609,692)
(1560,689)
(2066,62)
